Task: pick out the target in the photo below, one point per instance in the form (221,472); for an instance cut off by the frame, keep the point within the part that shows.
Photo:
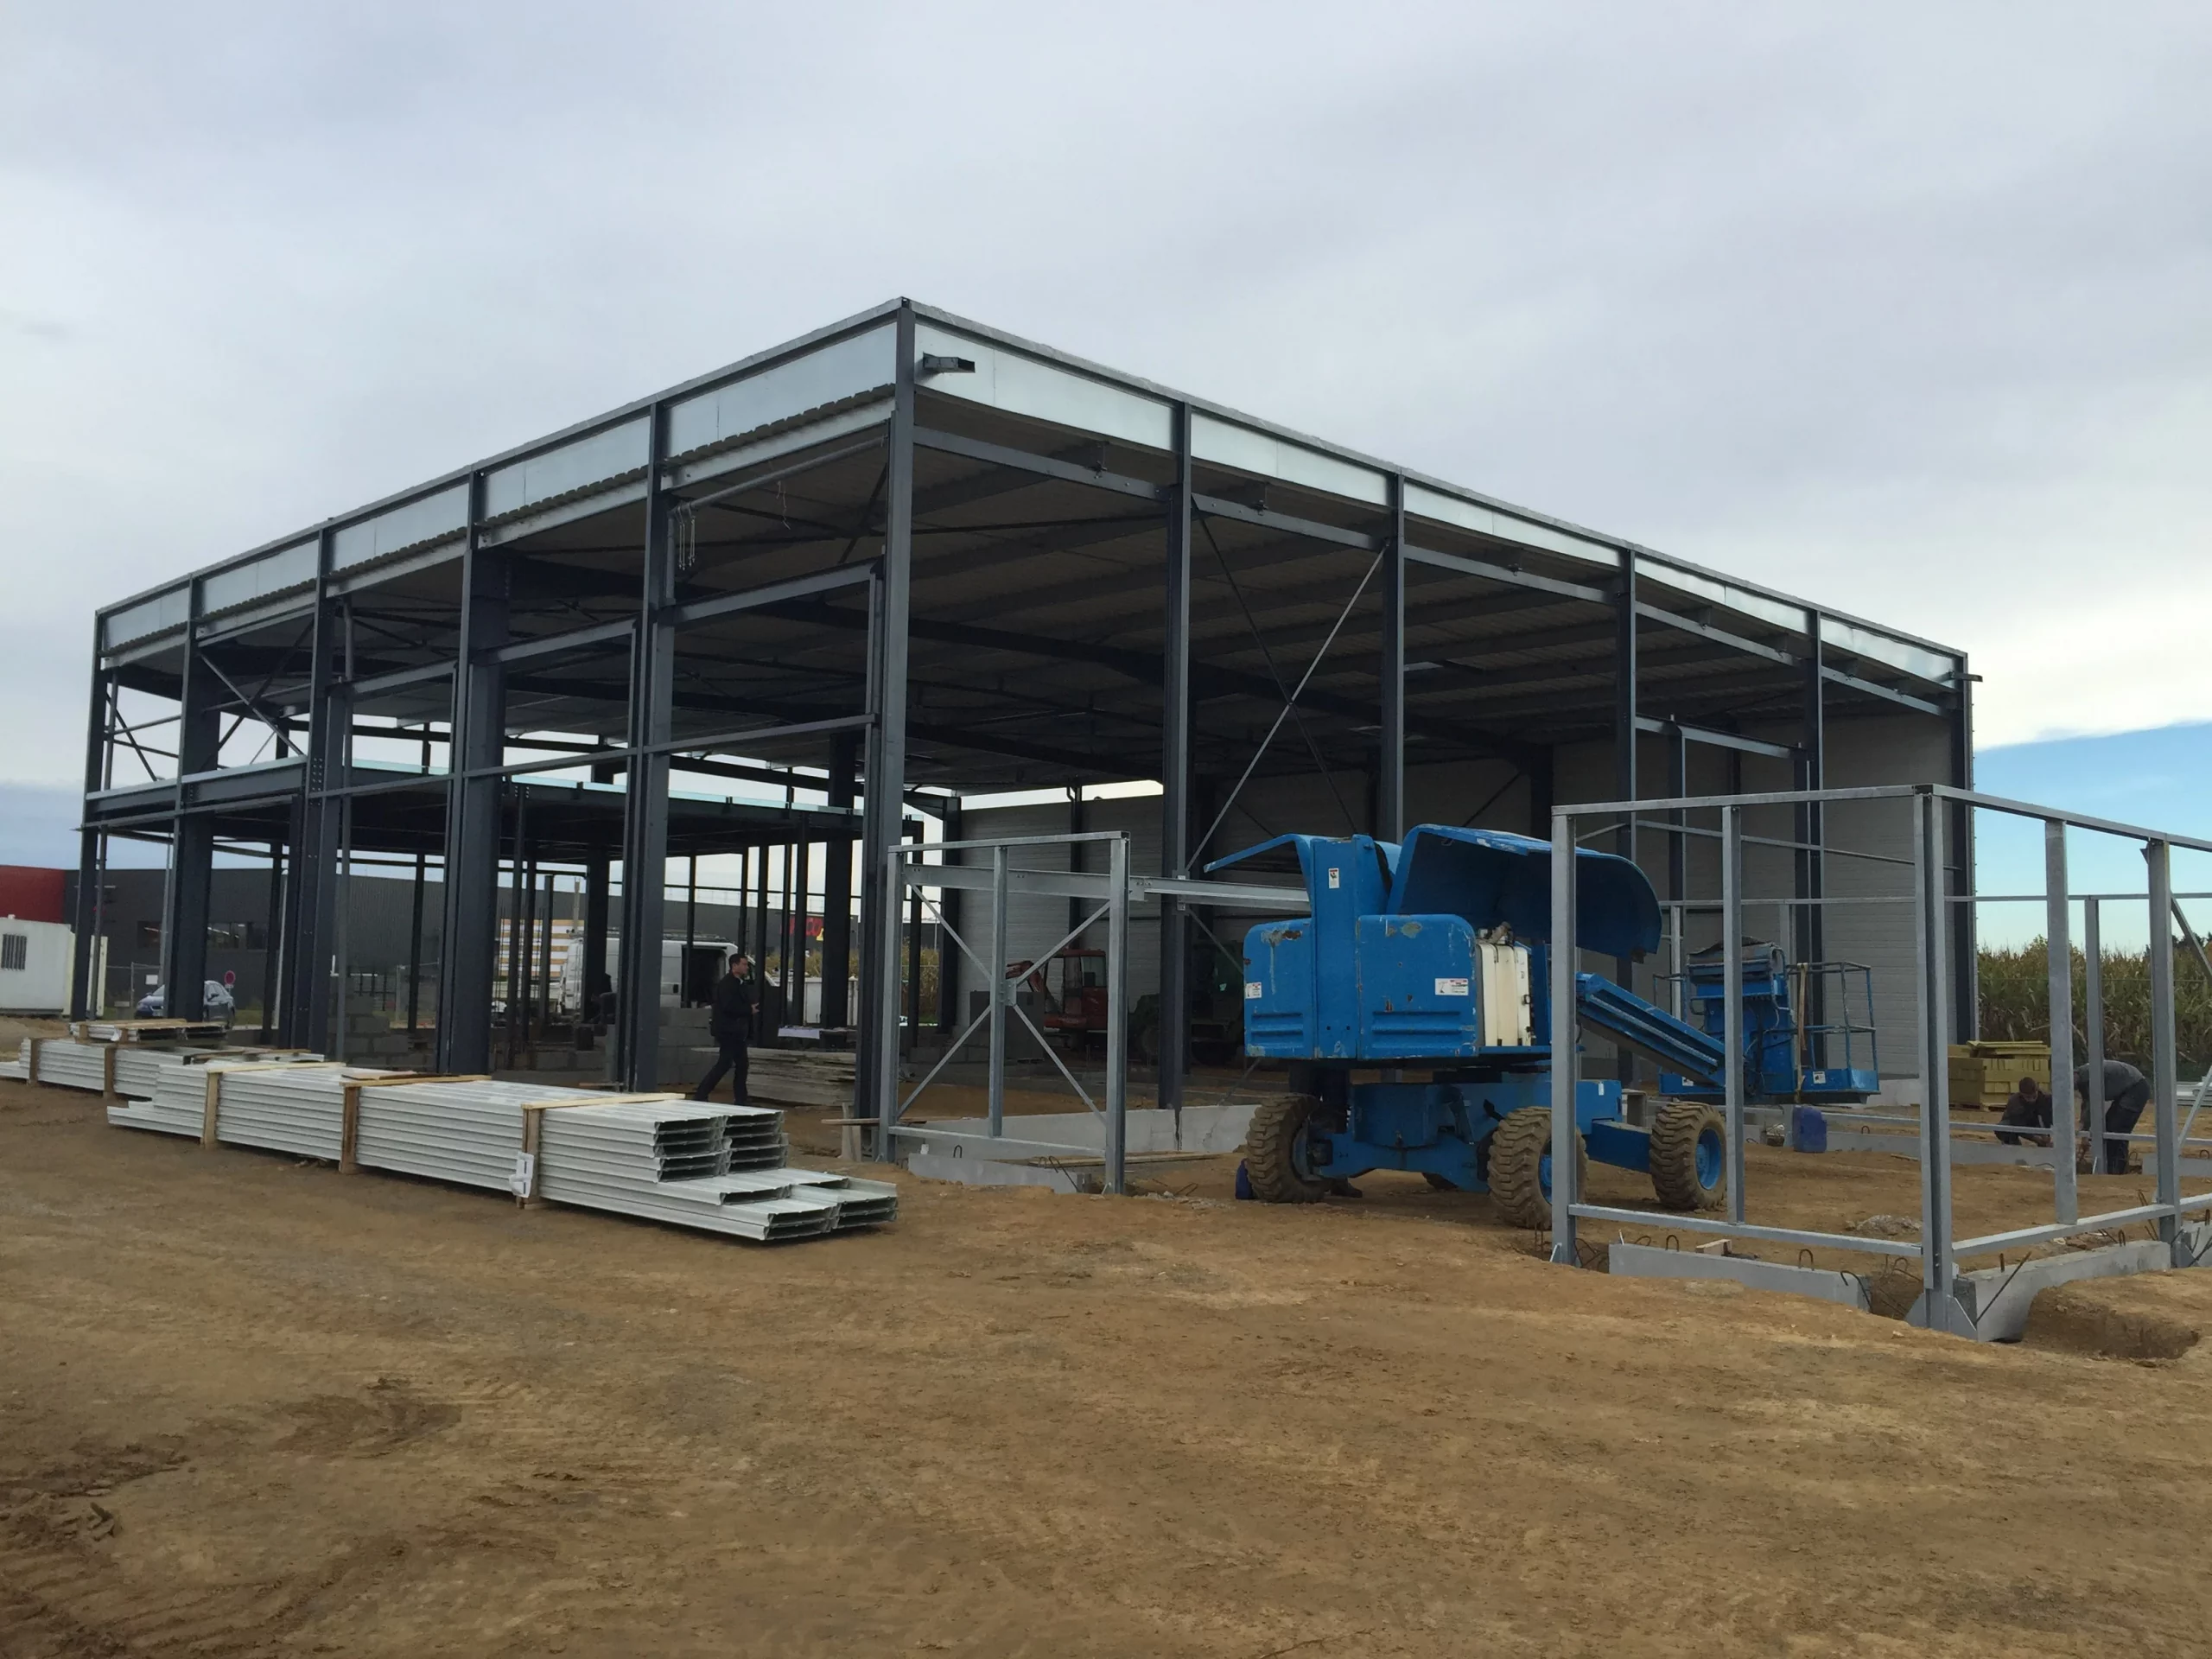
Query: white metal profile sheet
(714,1168)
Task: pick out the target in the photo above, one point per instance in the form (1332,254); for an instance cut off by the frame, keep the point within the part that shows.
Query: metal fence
(1936,915)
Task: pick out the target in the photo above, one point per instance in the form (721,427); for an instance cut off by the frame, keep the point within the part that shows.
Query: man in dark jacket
(2030,1108)
(2125,1092)
(729,1022)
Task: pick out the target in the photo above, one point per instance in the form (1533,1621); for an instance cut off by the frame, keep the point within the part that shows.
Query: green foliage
(2016,1004)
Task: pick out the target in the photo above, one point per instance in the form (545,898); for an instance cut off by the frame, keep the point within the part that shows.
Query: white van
(698,964)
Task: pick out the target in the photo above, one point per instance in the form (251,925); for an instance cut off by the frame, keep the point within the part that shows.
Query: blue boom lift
(1431,955)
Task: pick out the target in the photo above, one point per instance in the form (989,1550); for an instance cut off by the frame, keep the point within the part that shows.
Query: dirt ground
(250,1406)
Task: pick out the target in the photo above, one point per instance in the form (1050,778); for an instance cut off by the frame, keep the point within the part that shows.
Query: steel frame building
(900,561)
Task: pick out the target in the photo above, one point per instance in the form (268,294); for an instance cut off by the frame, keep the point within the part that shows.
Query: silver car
(221,1004)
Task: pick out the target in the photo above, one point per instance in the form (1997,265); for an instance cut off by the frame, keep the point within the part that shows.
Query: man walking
(2125,1092)
(730,1024)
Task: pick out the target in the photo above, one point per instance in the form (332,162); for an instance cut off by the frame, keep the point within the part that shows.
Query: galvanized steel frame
(1942,927)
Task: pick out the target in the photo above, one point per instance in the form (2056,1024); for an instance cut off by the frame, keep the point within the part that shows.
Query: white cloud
(1903,309)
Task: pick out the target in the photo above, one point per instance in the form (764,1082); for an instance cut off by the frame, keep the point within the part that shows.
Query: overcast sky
(1906,309)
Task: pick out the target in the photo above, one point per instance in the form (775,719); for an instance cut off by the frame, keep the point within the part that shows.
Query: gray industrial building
(908,561)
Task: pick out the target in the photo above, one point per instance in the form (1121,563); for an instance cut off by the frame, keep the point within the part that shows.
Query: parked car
(221,1003)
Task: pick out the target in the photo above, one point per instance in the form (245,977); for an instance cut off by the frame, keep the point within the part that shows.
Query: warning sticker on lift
(1252,991)
(1336,878)
(1450,987)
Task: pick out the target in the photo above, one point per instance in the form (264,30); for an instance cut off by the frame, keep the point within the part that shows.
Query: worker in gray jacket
(2125,1092)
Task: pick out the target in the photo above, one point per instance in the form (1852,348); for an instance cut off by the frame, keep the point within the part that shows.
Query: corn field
(2016,1004)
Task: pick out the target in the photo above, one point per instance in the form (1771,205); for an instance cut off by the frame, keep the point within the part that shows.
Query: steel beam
(1887,693)
(1175,769)
(1511,575)
(1675,731)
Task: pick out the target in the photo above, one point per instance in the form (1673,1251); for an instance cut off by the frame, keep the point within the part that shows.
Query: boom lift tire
(1277,1130)
(1689,1155)
(1518,1147)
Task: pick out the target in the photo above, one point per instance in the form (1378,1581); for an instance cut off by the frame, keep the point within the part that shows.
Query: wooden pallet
(147,1031)
(796,1077)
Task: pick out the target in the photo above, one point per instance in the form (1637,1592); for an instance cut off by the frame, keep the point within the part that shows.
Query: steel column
(1731,958)
(2093,1034)
(191,863)
(1812,830)
(1625,770)
(1966,956)
(1001,990)
(1563,1037)
(594,941)
(2157,855)
(1175,771)
(645,846)
(467,950)
(2057,929)
(837,888)
(1390,772)
(949,1020)
(876,1081)
(1117,1017)
(310,893)
(86,999)
(1932,933)
(415,942)
(272,934)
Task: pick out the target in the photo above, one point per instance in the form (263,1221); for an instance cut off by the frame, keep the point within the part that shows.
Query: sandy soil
(250,1406)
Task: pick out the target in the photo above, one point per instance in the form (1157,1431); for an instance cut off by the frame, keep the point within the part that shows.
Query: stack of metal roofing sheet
(670,1161)
(70,1065)
(18,1069)
(463,1132)
(717,1168)
(301,1116)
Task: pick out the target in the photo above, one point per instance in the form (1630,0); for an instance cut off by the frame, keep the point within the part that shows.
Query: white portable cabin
(34,963)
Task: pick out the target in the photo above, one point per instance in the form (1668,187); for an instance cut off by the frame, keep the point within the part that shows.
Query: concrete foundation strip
(533,1114)
(349,1107)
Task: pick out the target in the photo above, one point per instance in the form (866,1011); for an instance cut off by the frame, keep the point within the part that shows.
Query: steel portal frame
(947,560)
